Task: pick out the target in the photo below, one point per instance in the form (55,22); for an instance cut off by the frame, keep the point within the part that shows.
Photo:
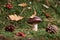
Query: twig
(46,14)
(22,11)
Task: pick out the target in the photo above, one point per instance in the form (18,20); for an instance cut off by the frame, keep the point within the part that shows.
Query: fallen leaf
(15,17)
(45,6)
(33,14)
(22,4)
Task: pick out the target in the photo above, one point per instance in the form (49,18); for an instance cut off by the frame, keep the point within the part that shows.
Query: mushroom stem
(35,27)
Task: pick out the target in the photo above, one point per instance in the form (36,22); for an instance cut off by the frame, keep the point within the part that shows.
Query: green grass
(41,34)
(22,25)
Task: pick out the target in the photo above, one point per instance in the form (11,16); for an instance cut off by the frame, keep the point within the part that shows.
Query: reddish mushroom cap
(9,6)
(20,34)
(34,20)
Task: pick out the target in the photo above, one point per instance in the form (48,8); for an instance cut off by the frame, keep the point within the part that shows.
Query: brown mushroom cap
(34,20)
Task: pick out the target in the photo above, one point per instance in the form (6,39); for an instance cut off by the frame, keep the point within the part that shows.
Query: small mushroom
(20,34)
(34,22)
(52,29)
(9,6)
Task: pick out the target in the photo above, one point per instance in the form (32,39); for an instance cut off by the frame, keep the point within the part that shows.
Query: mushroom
(9,6)
(20,34)
(52,29)
(34,22)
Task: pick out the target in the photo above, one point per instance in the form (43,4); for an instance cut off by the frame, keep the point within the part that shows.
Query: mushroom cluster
(9,28)
(34,22)
(52,29)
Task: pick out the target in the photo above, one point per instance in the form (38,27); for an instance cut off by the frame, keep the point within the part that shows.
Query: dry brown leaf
(15,17)
(33,14)
(22,4)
